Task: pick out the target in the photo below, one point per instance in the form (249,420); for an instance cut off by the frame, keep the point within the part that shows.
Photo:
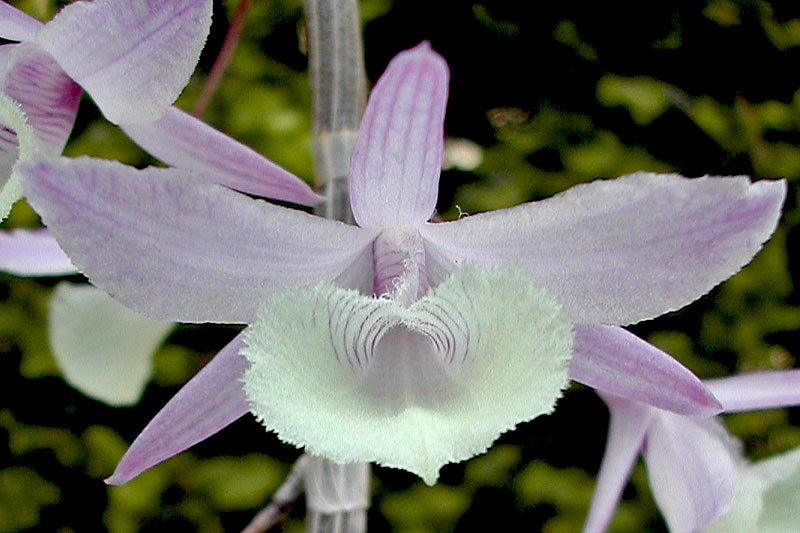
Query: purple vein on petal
(182,141)
(211,400)
(617,362)
(394,173)
(46,94)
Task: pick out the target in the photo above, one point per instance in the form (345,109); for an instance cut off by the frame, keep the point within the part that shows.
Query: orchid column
(337,495)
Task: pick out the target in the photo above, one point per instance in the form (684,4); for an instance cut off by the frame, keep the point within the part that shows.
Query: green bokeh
(678,91)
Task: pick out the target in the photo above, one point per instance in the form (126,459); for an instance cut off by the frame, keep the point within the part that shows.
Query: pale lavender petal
(627,427)
(759,390)
(210,401)
(133,57)
(174,247)
(617,362)
(624,250)
(692,469)
(16,25)
(46,94)
(33,253)
(394,172)
(183,141)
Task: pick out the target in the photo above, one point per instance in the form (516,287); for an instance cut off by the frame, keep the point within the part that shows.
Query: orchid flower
(41,83)
(97,46)
(399,341)
(699,478)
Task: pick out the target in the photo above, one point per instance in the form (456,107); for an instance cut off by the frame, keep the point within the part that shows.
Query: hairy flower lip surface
(611,252)
(361,379)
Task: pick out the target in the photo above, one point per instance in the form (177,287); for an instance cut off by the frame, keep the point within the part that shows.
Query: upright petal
(758,390)
(357,379)
(394,172)
(692,466)
(132,56)
(16,25)
(617,362)
(620,251)
(210,401)
(45,93)
(175,247)
(104,349)
(182,141)
(33,253)
(626,431)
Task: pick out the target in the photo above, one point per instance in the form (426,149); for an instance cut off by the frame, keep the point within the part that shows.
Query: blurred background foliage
(543,96)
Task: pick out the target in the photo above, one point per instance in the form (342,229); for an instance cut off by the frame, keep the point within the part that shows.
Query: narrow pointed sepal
(626,432)
(757,390)
(16,25)
(182,141)
(104,349)
(210,401)
(26,252)
(360,379)
(614,361)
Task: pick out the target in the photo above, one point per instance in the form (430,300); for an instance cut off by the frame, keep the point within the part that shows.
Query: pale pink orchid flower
(399,341)
(697,472)
(133,57)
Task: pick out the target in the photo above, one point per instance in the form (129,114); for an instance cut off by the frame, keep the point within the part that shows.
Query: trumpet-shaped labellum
(696,469)
(407,383)
(175,247)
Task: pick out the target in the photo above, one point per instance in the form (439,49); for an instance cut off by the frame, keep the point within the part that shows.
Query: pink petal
(207,403)
(624,250)
(760,390)
(33,253)
(616,362)
(174,247)
(394,172)
(627,427)
(692,468)
(16,25)
(182,141)
(134,56)
(46,94)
